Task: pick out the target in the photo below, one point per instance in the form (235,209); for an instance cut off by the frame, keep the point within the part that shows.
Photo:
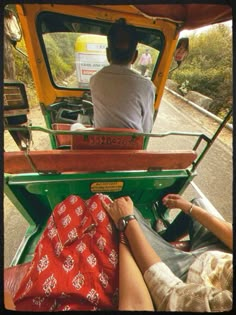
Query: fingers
(119,207)
(170,200)
(172,196)
(105,205)
(127,198)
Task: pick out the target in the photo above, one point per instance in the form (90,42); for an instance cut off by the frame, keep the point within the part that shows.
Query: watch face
(121,224)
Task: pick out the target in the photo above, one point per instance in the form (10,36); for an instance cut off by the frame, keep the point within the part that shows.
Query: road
(214,172)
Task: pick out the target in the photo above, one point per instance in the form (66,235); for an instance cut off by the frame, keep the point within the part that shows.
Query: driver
(122,98)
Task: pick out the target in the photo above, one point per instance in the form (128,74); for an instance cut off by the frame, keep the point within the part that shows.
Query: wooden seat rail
(62,161)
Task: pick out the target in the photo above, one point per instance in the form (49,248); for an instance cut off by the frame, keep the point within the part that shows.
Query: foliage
(208,67)
(23,73)
(60,52)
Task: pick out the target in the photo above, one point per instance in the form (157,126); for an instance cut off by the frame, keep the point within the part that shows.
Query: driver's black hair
(122,42)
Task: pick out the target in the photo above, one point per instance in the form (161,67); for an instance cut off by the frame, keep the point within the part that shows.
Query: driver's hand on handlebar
(120,207)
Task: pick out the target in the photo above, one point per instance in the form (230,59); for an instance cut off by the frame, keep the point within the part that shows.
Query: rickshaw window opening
(52,27)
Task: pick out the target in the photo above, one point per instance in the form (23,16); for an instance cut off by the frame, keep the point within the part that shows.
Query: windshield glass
(75,49)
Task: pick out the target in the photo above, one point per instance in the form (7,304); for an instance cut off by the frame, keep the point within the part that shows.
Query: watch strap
(127,218)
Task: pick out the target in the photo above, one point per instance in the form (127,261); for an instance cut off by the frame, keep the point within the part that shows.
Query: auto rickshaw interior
(87,50)
(89,161)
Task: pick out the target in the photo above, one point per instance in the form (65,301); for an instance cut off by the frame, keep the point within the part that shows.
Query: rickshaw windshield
(79,46)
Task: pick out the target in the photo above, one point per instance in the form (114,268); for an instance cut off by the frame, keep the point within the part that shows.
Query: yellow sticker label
(106,187)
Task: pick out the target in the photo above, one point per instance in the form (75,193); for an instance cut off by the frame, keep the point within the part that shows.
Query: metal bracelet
(123,239)
(190,209)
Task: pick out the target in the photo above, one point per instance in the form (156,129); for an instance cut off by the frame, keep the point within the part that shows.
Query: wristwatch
(123,222)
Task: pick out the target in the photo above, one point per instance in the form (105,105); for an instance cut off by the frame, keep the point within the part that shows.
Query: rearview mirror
(181,50)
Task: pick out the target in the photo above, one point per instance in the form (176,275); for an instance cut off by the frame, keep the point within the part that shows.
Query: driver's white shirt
(122,98)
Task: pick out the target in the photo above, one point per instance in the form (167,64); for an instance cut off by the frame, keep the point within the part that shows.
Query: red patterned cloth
(75,265)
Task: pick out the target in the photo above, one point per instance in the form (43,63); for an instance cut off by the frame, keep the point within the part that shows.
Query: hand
(176,201)
(121,207)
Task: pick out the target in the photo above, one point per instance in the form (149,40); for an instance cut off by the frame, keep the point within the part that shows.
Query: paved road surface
(214,173)
(215,170)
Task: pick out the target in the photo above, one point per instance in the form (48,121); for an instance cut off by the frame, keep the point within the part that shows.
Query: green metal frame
(35,195)
(200,136)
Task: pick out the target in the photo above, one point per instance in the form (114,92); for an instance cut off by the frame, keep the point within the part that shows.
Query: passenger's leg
(177,260)
(201,241)
(178,228)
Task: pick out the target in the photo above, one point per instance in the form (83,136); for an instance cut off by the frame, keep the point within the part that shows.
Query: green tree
(58,51)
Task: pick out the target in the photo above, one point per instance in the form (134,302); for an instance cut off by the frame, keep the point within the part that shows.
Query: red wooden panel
(99,141)
(95,160)
(120,142)
(62,139)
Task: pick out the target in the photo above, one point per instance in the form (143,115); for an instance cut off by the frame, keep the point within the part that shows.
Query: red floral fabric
(75,265)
